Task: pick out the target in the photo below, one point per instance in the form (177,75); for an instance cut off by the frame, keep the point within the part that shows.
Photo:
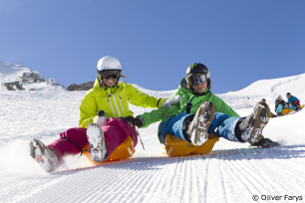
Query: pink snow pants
(115,132)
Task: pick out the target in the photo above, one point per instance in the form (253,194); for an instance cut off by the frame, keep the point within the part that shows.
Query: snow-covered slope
(10,73)
(268,89)
(233,172)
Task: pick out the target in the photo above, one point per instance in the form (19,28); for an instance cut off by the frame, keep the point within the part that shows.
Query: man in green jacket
(201,112)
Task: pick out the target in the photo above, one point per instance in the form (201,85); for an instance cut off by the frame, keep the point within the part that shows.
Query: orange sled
(287,111)
(124,151)
(174,146)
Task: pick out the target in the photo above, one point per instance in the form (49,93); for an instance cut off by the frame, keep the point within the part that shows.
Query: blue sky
(240,41)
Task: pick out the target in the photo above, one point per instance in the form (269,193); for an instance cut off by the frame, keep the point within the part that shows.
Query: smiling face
(110,77)
(200,87)
(110,82)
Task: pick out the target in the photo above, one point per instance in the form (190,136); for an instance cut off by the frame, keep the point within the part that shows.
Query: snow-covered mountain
(232,172)
(11,73)
(28,79)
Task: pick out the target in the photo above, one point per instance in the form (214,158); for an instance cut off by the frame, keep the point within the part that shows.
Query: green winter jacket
(114,102)
(187,96)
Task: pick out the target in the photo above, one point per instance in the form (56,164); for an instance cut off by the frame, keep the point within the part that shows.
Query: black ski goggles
(115,74)
(197,79)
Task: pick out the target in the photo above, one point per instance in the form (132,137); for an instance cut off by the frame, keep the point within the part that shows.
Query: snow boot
(44,155)
(297,108)
(252,126)
(97,143)
(198,129)
(265,143)
(185,127)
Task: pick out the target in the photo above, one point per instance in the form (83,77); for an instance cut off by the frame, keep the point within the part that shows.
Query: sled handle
(188,107)
(101,113)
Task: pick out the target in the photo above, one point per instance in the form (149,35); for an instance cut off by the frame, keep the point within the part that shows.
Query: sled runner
(123,151)
(174,146)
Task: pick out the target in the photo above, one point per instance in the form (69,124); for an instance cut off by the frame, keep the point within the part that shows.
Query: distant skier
(208,113)
(104,133)
(294,101)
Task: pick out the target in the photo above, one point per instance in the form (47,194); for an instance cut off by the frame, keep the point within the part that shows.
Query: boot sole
(259,123)
(48,166)
(200,134)
(97,143)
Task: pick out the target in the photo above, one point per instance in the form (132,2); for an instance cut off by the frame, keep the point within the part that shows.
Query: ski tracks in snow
(258,172)
(231,173)
(223,176)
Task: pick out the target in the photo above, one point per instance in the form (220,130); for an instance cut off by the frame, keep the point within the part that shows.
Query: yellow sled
(124,151)
(287,111)
(174,146)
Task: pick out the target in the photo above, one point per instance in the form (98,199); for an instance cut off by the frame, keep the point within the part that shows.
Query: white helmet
(108,63)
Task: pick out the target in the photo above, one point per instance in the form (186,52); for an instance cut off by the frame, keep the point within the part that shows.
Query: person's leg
(44,156)
(71,142)
(174,126)
(198,128)
(230,130)
(116,131)
(224,126)
(103,141)
(252,126)
(297,103)
(50,157)
(279,109)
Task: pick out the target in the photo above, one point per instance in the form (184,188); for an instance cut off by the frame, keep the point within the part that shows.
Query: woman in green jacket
(201,112)
(109,99)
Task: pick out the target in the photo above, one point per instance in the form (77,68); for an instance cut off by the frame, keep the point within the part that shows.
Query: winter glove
(171,101)
(138,121)
(265,143)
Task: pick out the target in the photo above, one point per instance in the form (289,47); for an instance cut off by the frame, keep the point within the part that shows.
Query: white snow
(232,172)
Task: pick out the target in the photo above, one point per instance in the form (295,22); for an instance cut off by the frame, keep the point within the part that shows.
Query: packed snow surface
(232,172)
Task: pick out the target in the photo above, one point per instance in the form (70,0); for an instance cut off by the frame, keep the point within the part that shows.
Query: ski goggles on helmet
(197,79)
(110,74)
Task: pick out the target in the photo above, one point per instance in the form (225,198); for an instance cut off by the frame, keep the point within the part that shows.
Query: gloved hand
(171,101)
(138,121)
(266,143)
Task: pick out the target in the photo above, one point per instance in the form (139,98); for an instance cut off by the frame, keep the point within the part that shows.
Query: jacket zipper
(110,102)
(111,105)
(116,105)
(120,102)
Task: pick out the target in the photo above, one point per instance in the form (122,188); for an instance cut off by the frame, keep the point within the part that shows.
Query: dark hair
(209,83)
